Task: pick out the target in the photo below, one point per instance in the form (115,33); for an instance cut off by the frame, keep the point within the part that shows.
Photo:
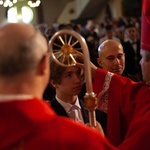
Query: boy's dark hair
(56,70)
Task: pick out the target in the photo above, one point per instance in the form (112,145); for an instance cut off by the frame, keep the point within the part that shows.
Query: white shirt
(73,111)
(134,45)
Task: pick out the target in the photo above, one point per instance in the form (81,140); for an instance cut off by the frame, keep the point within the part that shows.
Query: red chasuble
(32,125)
(128,124)
(145,26)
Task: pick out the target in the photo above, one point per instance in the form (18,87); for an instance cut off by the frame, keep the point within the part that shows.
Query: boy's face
(71,82)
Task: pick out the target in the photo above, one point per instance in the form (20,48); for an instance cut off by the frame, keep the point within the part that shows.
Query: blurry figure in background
(91,38)
(61,26)
(65,26)
(77,28)
(88,30)
(49,31)
(131,47)
(98,29)
(109,34)
(92,47)
(42,27)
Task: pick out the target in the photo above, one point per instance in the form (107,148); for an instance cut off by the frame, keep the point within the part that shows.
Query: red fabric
(32,125)
(128,111)
(145,32)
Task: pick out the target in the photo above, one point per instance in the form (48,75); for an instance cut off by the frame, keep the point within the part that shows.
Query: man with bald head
(112,58)
(27,122)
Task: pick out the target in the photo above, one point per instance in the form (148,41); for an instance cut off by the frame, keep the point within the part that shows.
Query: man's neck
(10,97)
(67,98)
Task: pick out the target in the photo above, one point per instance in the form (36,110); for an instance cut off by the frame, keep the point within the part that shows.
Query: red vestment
(128,124)
(32,125)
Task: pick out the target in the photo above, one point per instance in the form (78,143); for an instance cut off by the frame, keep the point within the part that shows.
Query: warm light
(10,3)
(34,4)
(26,15)
(19,18)
(12,15)
(1,2)
(14,1)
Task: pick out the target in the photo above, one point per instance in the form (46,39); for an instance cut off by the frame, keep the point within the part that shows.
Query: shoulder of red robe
(145,24)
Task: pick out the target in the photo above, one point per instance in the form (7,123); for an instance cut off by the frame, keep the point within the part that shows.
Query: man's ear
(52,82)
(99,62)
(44,67)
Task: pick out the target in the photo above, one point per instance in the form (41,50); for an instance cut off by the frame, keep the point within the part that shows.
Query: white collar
(12,97)
(68,106)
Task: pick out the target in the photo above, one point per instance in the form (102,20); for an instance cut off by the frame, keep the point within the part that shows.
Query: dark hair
(130,26)
(56,70)
(108,27)
(61,26)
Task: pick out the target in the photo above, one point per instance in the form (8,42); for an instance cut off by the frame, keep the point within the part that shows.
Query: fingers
(98,127)
(80,56)
(80,65)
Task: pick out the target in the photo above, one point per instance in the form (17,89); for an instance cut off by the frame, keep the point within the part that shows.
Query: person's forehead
(113,52)
(112,48)
(72,69)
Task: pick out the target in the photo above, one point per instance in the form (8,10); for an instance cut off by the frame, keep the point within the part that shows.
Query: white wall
(65,15)
(77,5)
(116,8)
(80,6)
(53,9)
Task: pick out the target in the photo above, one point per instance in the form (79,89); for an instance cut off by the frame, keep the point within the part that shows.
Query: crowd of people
(124,30)
(26,68)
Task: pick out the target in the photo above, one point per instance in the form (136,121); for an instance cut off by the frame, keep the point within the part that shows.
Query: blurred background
(95,20)
(64,11)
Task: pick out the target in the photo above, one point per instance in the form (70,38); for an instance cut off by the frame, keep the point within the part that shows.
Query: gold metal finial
(67,49)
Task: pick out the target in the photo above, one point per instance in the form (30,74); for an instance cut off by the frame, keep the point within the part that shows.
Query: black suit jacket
(61,111)
(132,59)
(101,117)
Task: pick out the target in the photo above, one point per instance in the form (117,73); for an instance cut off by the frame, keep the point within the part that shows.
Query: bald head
(108,46)
(111,56)
(21,48)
